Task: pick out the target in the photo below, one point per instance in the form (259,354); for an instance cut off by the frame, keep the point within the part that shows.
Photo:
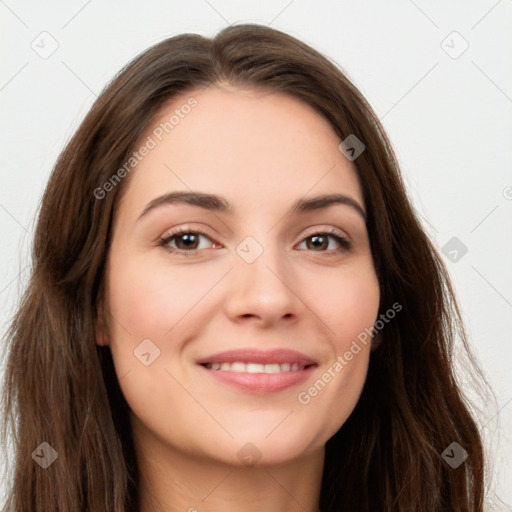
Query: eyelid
(328,231)
(185,229)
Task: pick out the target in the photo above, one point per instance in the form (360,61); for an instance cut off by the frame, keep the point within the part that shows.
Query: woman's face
(235,350)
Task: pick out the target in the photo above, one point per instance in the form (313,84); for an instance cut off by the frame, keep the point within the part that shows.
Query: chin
(279,448)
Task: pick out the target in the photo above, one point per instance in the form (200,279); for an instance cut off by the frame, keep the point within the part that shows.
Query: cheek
(348,304)
(149,301)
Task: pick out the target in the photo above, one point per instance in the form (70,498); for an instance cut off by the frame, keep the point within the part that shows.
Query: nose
(264,291)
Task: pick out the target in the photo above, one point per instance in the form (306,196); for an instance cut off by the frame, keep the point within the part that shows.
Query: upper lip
(254,355)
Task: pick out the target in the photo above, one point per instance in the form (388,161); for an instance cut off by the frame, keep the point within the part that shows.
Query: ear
(376,341)
(102,337)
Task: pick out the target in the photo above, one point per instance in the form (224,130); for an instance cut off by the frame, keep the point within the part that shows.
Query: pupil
(315,239)
(188,240)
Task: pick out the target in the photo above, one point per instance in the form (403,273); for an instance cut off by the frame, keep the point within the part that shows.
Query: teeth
(238,367)
(272,368)
(255,367)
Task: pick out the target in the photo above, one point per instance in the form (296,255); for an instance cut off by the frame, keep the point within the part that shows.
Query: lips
(259,371)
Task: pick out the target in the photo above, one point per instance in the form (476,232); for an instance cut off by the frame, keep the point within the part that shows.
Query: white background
(450,120)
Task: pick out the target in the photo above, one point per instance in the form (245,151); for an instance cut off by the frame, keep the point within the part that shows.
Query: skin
(262,152)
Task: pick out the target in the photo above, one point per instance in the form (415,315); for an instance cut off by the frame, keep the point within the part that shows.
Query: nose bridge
(263,280)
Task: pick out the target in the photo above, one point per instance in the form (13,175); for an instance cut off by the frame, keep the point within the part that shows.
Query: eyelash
(345,244)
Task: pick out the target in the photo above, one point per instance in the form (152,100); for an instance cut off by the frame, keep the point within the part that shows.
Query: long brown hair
(60,387)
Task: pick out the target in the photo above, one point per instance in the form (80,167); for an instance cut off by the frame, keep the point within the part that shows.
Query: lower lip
(261,382)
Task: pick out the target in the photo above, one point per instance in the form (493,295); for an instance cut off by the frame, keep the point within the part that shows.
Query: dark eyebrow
(324,201)
(219,204)
(207,201)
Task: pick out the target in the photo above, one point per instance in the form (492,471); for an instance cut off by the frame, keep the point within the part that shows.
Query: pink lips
(260,382)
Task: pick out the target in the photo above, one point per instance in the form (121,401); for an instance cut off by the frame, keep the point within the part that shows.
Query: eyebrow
(216,203)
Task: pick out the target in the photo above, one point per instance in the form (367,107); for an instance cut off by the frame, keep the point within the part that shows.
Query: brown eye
(185,242)
(320,242)
(317,242)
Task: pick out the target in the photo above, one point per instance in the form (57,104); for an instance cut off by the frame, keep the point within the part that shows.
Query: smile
(258,371)
(255,367)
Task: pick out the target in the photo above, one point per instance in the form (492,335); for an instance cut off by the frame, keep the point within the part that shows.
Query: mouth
(259,371)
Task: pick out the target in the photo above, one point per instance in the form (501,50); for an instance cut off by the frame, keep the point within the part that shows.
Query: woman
(233,305)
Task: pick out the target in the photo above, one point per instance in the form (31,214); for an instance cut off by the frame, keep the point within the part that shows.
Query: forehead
(248,145)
